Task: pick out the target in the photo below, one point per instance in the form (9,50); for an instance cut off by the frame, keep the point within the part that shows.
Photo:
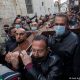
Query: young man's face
(39,49)
(60,21)
(13,32)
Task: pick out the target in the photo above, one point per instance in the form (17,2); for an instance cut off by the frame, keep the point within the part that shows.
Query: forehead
(20,30)
(38,43)
(18,19)
(14,29)
(59,19)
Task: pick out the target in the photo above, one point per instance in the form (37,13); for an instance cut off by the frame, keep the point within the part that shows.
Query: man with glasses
(42,64)
(64,43)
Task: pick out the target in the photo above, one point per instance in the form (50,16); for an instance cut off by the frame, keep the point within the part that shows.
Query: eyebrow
(20,33)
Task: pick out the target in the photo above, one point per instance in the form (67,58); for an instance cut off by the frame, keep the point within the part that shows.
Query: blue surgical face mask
(60,30)
(17,26)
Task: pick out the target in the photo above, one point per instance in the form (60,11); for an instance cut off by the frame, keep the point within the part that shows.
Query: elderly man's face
(39,49)
(20,35)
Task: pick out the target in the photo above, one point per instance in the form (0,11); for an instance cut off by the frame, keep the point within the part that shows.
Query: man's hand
(14,59)
(14,62)
(25,58)
(8,57)
(15,54)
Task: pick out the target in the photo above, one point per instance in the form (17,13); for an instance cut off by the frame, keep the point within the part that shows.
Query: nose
(18,36)
(36,53)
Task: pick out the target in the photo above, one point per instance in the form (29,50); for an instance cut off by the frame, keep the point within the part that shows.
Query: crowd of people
(54,57)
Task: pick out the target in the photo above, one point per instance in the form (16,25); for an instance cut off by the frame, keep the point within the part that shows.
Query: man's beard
(38,59)
(6,31)
(19,42)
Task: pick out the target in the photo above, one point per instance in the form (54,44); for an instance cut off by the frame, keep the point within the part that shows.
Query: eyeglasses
(61,24)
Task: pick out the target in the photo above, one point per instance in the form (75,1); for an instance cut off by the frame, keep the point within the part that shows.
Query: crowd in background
(54,58)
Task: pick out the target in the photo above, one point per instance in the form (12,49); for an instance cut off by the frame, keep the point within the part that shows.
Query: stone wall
(10,8)
(8,11)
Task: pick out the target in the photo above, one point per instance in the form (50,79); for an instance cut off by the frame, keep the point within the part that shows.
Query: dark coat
(77,62)
(47,69)
(9,44)
(65,46)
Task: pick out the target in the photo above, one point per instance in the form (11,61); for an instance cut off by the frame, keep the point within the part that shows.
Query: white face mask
(34,27)
(60,30)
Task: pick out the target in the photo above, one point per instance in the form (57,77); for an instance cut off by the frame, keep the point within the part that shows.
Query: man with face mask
(64,43)
(34,26)
(18,22)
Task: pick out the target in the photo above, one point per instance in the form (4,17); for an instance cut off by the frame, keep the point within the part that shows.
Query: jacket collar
(60,38)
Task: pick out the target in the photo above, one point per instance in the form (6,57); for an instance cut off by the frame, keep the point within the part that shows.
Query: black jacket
(47,69)
(9,44)
(77,61)
(65,46)
(66,42)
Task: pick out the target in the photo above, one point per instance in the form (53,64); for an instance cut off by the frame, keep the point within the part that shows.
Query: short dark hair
(10,29)
(64,16)
(6,25)
(41,37)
